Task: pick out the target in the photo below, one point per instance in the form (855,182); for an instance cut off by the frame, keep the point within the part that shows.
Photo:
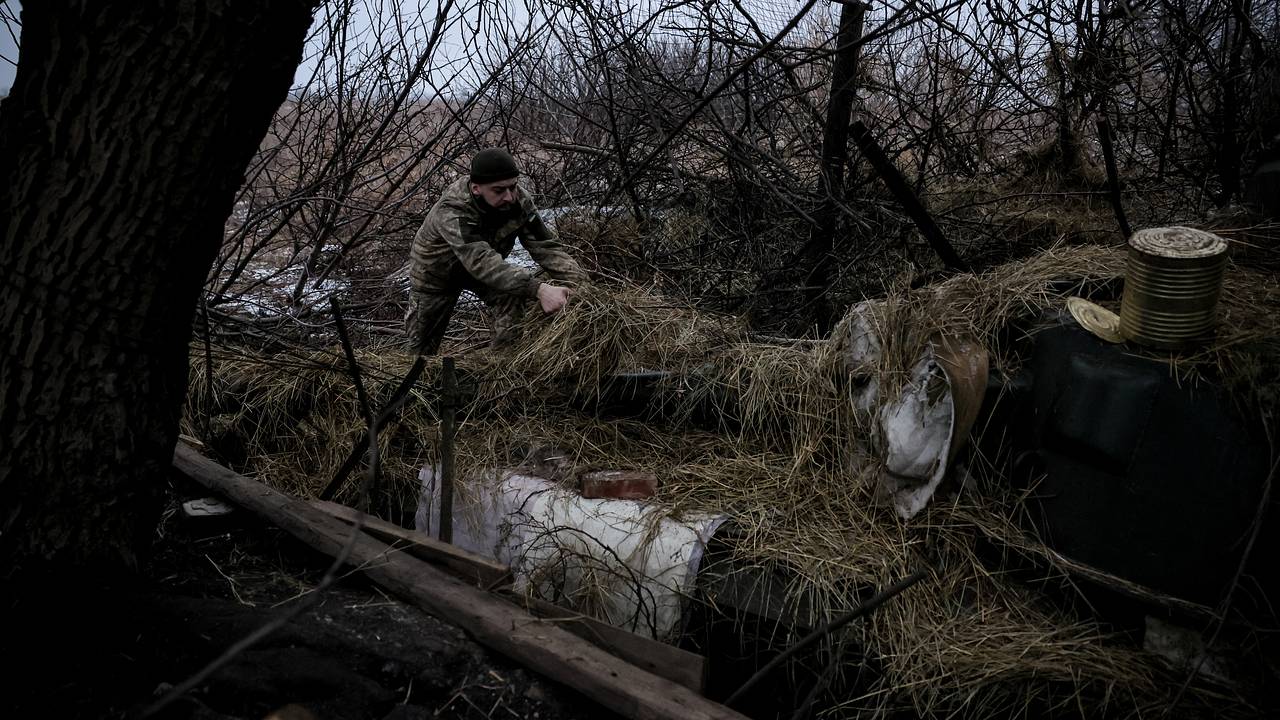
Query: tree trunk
(1228,111)
(122,143)
(819,252)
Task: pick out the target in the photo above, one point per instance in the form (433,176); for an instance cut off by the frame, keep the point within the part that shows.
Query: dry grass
(984,305)
(780,456)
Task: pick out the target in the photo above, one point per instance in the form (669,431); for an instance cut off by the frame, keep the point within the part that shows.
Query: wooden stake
(897,185)
(448,403)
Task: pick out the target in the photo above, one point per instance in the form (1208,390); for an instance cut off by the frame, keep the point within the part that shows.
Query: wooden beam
(661,659)
(541,646)
(667,661)
(469,566)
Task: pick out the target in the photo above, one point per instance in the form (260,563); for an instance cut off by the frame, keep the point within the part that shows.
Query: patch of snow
(552,214)
(521,257)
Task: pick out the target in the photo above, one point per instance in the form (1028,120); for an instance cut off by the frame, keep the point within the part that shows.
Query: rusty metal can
(1172,284)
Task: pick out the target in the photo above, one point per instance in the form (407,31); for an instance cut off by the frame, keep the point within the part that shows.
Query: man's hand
(552,298)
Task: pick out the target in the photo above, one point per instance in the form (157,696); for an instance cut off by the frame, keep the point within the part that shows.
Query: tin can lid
(1177,242)
(1096,319)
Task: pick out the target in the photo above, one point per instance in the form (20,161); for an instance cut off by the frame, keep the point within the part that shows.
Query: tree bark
(122,143)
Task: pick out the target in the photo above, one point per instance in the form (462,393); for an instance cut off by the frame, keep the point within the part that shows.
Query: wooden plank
(672,663)
(478,569)
(678,666)
(661,659)
(541,646)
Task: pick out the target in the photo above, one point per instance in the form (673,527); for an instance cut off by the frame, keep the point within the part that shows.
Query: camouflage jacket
(462,243)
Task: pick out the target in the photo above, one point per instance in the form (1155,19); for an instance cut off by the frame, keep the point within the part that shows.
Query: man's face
(498,195)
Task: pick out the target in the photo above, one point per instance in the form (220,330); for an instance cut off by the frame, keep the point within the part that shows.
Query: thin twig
(365,406)
(388,412)
(876,601)
(1255,529)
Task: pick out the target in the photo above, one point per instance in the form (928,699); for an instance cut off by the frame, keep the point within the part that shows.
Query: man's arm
(545,249)
(481,260)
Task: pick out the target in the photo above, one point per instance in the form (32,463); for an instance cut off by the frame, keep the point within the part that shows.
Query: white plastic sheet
(623,561)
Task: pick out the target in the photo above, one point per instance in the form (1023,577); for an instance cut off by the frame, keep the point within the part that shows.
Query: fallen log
(541,646)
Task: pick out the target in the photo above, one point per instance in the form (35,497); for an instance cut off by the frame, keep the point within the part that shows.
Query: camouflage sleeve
(545,249)
(482,261)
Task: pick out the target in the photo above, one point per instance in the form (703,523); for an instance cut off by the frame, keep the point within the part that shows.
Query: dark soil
(88,651)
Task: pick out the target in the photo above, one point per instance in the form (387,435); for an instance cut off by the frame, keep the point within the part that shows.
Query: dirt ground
(108,652)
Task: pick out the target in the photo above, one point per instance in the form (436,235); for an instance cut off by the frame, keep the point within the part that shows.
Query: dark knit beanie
(492,165)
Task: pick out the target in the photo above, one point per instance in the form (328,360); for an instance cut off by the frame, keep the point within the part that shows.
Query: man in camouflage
(463,244)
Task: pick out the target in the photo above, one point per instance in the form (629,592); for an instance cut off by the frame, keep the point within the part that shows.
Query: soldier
(463,244)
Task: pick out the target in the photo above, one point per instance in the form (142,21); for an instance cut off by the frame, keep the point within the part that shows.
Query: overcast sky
(8,48)
(9,45)
(504,15)
(468,34)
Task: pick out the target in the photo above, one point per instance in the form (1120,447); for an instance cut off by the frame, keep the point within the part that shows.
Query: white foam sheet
(916,430)
(623,561)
